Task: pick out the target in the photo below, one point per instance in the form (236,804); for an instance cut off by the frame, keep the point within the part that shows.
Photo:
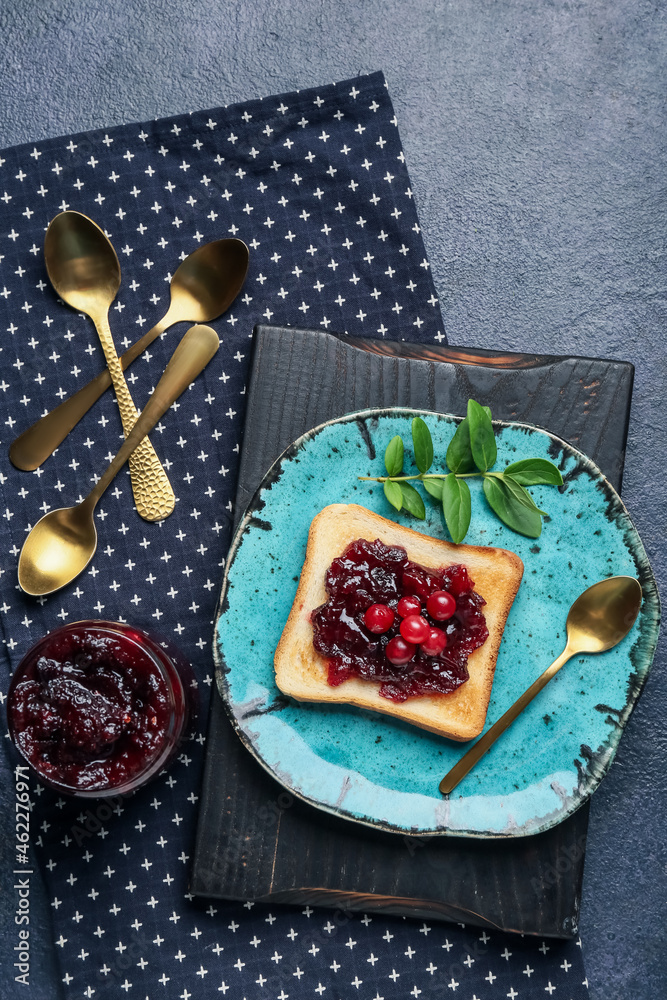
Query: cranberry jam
(96,707)
(372,573)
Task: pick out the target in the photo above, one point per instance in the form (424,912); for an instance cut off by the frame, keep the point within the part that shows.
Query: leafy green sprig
(471,455)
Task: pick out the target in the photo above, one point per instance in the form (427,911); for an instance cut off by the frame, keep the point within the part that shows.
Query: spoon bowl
(597,621)
(81,263)
(603,615)
(206,283)
(64,540)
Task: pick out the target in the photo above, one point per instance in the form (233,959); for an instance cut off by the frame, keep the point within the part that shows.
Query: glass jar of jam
(99,707)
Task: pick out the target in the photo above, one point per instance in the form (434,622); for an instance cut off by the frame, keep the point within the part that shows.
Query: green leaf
(393,456)
(434,487)
(456,506)
(393,493)
(482,438)
(520,493)
(412,501)
(423,445)
(535,472)
(459,456)
(512,513)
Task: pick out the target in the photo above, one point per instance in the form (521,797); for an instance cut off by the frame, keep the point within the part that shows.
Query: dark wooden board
(254,840)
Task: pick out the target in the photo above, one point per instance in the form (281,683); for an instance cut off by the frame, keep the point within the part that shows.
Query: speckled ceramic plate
(379,771)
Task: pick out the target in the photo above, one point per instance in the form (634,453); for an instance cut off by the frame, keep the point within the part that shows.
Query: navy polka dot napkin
(315,183)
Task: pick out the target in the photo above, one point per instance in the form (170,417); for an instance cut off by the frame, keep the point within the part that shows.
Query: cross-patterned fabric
(315,183)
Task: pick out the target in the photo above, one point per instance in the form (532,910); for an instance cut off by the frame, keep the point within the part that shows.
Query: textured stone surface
(536,141)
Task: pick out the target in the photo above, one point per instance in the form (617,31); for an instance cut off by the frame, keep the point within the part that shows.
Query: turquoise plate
(380,771)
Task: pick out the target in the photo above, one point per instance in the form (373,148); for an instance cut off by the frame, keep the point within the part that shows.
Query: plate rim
(593,780)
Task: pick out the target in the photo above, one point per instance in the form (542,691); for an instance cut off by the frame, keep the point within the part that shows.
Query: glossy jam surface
(370,573)
(92,708)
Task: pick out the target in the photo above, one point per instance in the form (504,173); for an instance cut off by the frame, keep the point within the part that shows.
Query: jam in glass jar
(99,707)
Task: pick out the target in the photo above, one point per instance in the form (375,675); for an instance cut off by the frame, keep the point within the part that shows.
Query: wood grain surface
(256,841)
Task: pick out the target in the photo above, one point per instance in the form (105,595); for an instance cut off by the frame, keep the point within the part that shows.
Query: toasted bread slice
(301,671)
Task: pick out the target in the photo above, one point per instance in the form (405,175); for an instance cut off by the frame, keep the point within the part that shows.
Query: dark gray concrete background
(536,139)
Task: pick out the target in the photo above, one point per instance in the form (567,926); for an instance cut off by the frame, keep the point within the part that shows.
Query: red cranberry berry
(441,605)
(399,651)
(434,643)
(409,606)
(379,618)
(414,628)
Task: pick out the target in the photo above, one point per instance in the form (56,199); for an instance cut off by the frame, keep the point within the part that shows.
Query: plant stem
(426,475)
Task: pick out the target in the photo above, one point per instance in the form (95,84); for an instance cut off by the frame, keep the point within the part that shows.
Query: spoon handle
(190,357)
(39,441)
(476,752)
(153,496)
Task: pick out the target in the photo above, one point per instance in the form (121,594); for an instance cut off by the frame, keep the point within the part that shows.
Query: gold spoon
(63,542)
(597,621)
(84,271)
(203,287)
